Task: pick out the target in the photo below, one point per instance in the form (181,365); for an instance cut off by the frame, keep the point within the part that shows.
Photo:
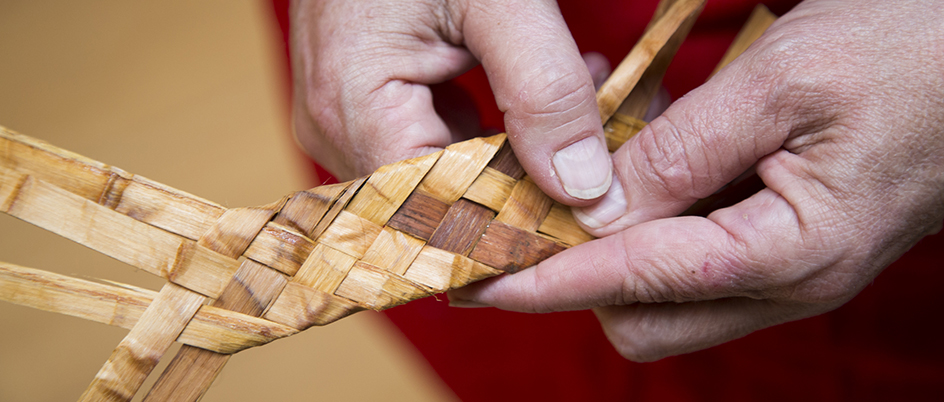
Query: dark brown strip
(461,228)
(419,215)
(511,249)
(506,162)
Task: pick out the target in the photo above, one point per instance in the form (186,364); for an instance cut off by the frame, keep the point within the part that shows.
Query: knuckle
(552,96)
(667,161)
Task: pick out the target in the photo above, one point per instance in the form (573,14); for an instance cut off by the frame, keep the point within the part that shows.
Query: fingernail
(610,207)
(584,168)
(466,304)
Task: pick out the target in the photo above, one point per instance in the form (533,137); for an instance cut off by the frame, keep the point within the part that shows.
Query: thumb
(699,144)
(544,88)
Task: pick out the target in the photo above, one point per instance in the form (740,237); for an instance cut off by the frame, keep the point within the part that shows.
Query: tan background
(190,95)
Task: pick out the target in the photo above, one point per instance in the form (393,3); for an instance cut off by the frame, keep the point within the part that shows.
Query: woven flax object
(243,277)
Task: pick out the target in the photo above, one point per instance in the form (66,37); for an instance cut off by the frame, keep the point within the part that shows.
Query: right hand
(362,71)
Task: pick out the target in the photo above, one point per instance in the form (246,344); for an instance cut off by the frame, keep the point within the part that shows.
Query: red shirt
(883,345)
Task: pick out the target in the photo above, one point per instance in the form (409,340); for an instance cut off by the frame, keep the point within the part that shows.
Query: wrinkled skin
(839,107)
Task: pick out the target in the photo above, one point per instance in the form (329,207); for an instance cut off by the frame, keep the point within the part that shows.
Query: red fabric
(883,345)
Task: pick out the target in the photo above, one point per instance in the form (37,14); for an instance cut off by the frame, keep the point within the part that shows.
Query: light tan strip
(234,231)
(140,350)
(112,305)
(460,164)
(630,70)
(527,206)
(74,173)
(441,270)
(378,289)
(224,331)
(560,224)
(96,227)
(351,234)
(620,129)
(168,208)
(125,239)
(280,248)
(202,270)
(212,328)
(324,269)
(491,189)
(301,307)
(393,250)
(388,187)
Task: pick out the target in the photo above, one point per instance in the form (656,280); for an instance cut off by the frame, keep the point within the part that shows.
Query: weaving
(242,277)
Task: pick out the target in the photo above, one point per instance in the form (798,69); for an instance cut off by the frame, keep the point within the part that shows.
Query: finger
(362,95)
(755,249)
(696,146)
(546,91)
(649,332)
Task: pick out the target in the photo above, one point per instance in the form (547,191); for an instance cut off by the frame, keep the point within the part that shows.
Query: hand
(840,107)
(363,69)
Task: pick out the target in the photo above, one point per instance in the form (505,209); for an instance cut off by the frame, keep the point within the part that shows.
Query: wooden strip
(388,187)
(630,70)
(620,129)
(304,209)
(72,172)
(458,167)
(138,353)
(192,370)
(107,304)
(378,289)
(324,269)
(300,307)
(223,331)
(352,188)
(143,246)
(506,162)
(393,250)
(351,234)
(168,208)
(200,269)
(761,19)
(211,328)
(560,224)
(234,231)
(491,189)
(95,226)
(251,290)
(118,181)
(461,228)
(419,215)
(11,184)
(527,206)
(637,102)
(188,386)
(510,249)
(441,270)
(280,248)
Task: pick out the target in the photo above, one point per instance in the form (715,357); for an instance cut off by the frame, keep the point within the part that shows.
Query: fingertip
(608,209)
(584,168)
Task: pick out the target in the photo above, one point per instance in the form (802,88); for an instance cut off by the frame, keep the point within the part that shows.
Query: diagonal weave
(411,229)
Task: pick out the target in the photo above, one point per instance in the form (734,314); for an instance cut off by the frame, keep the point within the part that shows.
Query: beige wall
(189,95)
